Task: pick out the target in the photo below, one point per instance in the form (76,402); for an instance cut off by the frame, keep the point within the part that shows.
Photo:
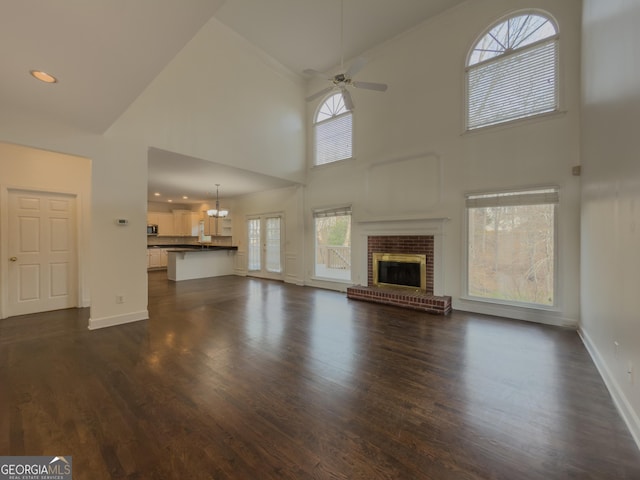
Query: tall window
(333,243)
(333,131)
(512,71)
(511,246)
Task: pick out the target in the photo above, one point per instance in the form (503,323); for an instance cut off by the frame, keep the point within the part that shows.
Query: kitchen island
(191,263)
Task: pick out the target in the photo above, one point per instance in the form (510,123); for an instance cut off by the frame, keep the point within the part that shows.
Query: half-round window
(512,71)
(333,127)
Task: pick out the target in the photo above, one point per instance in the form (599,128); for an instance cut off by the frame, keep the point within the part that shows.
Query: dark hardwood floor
(238,378)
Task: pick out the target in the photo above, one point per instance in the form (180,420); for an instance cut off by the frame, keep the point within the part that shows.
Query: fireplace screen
(400,270)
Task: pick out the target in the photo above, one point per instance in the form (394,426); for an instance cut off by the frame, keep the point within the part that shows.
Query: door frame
(5,190)
(263,273)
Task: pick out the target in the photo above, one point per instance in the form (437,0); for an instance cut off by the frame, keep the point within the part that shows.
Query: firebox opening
(399,273)
(400,270)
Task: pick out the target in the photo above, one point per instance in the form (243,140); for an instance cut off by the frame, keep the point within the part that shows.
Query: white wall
(23,167)
(415,130)
(610,197)
(223,100)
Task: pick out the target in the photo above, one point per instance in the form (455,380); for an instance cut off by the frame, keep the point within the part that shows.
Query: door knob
(13,259)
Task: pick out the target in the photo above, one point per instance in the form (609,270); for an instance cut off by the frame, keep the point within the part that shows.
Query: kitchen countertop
(193,248)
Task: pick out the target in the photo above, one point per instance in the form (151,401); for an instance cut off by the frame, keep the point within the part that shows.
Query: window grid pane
(273,261)
(332,107)
(515,33)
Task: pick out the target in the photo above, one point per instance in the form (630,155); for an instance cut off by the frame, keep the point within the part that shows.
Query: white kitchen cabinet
(152,218)
(223,228)
(154,258)
(166,226)
(163,257)
(185,223)
(209,226)
(195,224)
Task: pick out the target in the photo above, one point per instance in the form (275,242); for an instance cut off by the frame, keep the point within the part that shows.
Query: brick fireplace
(415,298)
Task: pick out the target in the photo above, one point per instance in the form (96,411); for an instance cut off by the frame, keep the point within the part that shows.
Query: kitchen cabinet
(152,218)
(185,223)
(157,257)
(195,224)
(165,225)
(178,223)
(223,227)
(163,257)
(153,258)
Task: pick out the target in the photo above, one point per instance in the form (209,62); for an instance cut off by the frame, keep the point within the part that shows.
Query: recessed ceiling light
(184,197)
(43,76)
(157,194)
(169,200)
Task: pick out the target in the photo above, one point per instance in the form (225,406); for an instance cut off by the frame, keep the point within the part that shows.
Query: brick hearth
(405,244)
(413,300)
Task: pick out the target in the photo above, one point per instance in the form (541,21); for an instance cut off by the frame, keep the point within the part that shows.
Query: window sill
(330,164)
(525,312)
(506,303)
(516,123)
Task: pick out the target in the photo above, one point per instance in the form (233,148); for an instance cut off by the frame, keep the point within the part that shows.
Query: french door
(264,256)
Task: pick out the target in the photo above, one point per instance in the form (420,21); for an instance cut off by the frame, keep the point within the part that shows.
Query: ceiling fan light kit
(343,80)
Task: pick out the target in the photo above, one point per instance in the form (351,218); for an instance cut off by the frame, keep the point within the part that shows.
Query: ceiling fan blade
(319,94)
(316,73)
(355,67)
(348,101)
(381,87)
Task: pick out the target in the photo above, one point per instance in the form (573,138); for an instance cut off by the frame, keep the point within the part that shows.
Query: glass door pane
(254,243)
(273,245)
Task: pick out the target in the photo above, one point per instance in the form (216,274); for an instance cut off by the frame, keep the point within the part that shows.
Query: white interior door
(42,252)
(265,246)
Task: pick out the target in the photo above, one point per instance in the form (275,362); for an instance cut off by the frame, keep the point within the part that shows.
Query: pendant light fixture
(216,212)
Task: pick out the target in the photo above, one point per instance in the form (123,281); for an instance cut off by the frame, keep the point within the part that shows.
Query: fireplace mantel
(423,235)
(433,226)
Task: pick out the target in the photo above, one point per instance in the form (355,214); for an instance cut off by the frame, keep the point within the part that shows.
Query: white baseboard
(104,322)
(294,280)
(627,412)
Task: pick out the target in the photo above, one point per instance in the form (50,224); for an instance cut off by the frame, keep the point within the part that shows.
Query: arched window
(333,127)
(512,71)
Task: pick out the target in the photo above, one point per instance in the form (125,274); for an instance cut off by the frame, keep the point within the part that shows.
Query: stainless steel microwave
(152,229)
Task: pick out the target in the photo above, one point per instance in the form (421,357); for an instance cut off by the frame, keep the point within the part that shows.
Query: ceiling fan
(345,79)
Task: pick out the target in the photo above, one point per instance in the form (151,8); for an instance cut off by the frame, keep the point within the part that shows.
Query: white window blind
(332,212)
(334,139)
(547,196)
(513,86)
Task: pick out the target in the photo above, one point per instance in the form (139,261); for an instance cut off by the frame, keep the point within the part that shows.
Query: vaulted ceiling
(105,52)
